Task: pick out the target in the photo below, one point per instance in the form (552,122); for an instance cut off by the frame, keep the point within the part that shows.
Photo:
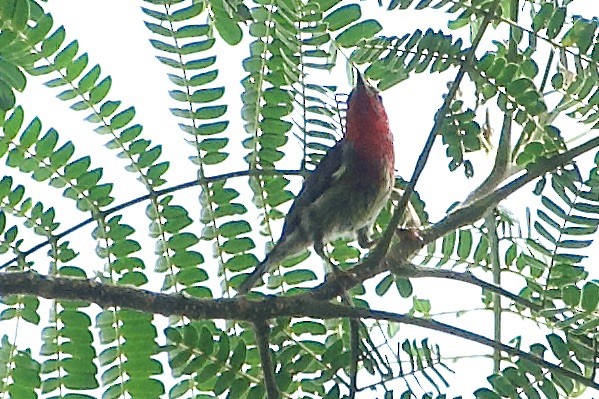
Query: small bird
(345,193)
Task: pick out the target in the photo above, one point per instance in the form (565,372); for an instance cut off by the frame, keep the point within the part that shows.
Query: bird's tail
(256,275)
(289,245)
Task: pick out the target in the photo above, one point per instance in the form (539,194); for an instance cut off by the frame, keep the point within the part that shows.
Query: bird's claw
(340,277)
(409,234)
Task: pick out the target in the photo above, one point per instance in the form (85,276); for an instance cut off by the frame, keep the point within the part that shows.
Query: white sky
(113,34)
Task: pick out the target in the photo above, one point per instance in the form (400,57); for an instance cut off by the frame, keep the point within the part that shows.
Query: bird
(344,194)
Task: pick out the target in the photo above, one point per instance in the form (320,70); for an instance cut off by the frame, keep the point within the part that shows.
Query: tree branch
(29,283)
(413,271)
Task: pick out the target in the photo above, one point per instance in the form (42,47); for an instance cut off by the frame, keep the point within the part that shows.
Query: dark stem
(261,331)
(385,242)
(413,271)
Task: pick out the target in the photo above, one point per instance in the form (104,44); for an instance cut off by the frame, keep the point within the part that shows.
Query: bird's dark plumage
(345,193)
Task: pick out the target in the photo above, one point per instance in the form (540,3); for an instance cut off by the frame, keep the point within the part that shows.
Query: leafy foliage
(290,117)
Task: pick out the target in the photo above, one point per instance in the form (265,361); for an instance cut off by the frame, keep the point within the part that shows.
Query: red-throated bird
(345,193)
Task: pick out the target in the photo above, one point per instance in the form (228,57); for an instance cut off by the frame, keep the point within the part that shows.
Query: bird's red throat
(368,131)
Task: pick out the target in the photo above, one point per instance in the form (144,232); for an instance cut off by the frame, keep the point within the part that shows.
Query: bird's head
(366,117)
(363,92)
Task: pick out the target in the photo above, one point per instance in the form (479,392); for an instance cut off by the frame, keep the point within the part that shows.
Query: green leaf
(571,295)
(7,97)
(295,277)
(238,356)
(485,393)
(31,133)
(99,92)
(228,29)
(448,244)
(123,118)
(590,296)
(234,228)
(20,15)
(308,327)
(548,388)
(464,243)
(187,13)
(558,346)
(556,22)
(539,21)
(12,75)
(519,86)
(89,79)
(404,287)
(502,386)
(362,30)
(7,37)
(343,16)
(383,286)
(66,55)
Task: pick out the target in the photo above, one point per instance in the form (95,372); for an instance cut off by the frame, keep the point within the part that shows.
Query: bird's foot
(340,277)
(409,234)
(364,240)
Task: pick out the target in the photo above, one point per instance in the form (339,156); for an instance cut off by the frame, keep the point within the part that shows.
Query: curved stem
(145,197)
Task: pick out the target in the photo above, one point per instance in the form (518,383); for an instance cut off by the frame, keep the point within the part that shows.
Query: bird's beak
(363,86)
(359,79)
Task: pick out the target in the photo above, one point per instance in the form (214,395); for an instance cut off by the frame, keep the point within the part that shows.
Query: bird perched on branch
(345,193)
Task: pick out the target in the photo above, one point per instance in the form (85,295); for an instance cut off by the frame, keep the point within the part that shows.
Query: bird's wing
(330,169)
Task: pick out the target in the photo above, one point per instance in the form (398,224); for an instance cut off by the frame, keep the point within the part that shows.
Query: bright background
(113,33)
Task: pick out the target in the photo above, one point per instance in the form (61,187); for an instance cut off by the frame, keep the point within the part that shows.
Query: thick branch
(237,309)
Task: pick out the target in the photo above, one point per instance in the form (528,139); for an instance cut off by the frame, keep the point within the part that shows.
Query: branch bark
(239,308)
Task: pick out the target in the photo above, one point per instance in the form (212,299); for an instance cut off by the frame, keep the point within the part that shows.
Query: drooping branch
(413,271)
(146,197)
(239,308)
(502,164)
(474,212)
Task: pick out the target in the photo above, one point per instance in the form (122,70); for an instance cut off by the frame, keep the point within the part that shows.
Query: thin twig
(261,332)
(145,197)
(414,271)
(354,343)
(384,243)
(496,268)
